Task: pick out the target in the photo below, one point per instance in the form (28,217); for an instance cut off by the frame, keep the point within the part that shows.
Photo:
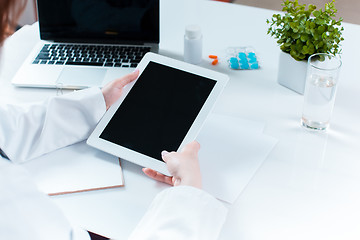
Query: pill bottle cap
(192,31)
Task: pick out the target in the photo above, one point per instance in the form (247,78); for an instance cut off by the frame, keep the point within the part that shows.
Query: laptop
(87,43)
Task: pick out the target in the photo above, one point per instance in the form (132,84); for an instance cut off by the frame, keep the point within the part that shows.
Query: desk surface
(307,188)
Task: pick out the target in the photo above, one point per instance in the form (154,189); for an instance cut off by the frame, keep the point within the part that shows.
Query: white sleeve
(27,132)
(181,213)
(26,213)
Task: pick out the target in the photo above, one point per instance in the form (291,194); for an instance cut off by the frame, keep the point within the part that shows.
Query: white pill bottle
(193,44)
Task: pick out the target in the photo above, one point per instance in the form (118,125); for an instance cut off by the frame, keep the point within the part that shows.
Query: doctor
(182,212)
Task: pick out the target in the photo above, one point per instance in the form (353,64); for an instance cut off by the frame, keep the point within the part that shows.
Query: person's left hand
(112,91)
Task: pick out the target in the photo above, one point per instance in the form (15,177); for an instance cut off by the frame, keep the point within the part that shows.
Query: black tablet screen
(159,110)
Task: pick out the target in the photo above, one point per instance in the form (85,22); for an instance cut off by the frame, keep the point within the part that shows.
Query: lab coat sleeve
(181,213)
(26,213)
(30,131)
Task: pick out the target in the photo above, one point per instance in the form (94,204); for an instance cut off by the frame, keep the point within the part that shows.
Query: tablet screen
(159,110)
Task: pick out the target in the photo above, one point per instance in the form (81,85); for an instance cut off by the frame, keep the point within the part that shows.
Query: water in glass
(318,102)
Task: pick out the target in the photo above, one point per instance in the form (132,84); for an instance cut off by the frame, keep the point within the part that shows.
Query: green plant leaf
(321,29)
(303,30)
(316,14)
(304,37)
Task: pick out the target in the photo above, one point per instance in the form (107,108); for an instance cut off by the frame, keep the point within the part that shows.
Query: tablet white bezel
(138,158)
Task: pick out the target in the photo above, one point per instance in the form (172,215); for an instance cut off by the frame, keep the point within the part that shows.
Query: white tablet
(163,109)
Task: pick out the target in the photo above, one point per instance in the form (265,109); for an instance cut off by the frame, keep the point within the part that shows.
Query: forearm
(29,214)
(28,132)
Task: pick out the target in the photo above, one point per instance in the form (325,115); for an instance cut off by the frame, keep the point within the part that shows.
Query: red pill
(215,62)
(213,56)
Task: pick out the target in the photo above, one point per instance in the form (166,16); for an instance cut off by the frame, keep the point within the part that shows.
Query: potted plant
(301,32)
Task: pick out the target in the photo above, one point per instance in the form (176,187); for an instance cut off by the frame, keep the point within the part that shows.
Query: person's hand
(112,91)
(183,166)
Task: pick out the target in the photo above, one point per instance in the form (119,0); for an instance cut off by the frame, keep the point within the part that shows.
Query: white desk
(308,187)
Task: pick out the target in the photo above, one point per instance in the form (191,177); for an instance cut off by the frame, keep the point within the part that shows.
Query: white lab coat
(30,131)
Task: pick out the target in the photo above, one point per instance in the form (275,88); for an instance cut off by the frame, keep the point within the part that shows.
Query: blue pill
(233,60)
(234,65)
(251,54)
(252,60)
(242,55)
(243,61)
(244,66)
(254,66)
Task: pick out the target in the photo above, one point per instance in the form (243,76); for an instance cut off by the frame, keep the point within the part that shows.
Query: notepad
(76,168)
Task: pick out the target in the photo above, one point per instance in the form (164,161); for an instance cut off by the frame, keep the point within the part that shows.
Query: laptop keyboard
(91,55)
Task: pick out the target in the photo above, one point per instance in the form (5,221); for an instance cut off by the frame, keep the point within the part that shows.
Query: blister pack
(242,58)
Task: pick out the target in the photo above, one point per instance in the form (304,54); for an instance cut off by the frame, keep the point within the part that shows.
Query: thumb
(192,147)
(128,78)
(164,156)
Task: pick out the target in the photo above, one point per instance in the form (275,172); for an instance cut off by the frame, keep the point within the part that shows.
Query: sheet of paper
(76,168)
(239,123)
(230,154)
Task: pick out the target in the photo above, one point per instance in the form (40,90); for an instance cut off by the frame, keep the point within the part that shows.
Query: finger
(128,78)
(158,176)
(193,147)
(163,156)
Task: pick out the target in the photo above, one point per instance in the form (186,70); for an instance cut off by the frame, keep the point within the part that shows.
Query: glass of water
(320,90)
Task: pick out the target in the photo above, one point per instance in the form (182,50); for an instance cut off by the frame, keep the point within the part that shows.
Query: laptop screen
(99,21)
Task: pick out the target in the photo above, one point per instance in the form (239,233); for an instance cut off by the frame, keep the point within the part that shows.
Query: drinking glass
(320,90)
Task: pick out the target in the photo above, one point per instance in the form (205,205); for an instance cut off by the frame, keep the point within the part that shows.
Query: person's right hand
(183,166)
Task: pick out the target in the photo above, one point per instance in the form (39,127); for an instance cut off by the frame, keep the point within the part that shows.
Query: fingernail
(177,182)
(136,70)
(164,153)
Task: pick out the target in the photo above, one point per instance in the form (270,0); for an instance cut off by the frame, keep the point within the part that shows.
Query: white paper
(75,168)
(230,154)
(236,122)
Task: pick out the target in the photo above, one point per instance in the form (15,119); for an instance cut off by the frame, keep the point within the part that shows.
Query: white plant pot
(292,73)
